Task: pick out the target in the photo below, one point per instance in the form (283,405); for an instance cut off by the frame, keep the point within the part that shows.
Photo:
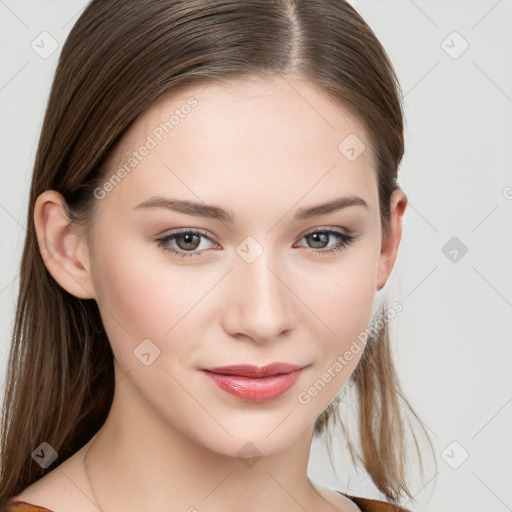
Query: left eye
(343,240)
(188,241)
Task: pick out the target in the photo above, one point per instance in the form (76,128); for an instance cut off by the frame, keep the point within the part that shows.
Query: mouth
(248,370)
(255,384)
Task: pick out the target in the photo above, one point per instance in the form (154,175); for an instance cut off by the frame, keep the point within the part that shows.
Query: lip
(249,370)
(255,384)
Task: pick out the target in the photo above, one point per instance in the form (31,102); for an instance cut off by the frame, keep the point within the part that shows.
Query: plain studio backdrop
(453,276)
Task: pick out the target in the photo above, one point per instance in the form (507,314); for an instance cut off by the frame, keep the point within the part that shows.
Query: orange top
(365,504)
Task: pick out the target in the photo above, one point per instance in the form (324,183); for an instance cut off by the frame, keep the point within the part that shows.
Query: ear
(391,239)
(63,245)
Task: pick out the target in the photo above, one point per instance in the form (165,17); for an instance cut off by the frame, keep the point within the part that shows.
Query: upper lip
(248,370)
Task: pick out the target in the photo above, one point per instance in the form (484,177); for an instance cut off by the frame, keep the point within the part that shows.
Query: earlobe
(62,245)
(391,239)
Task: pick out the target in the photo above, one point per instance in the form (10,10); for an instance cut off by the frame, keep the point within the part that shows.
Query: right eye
(183,238)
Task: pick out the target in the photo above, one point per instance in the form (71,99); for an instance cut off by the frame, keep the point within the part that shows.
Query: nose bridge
(260,305)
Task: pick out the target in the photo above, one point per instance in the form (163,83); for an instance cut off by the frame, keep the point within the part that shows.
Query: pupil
(188,238)
(319,237)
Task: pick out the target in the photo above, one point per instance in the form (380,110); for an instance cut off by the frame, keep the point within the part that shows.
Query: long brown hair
(119,58)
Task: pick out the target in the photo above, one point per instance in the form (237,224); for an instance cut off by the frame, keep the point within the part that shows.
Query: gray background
(452,339)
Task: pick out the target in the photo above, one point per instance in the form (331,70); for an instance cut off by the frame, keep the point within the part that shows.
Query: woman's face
(254,284)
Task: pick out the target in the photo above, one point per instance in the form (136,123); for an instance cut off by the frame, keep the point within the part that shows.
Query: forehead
(258,135)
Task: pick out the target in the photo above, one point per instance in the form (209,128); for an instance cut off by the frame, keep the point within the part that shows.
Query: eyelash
(344,240)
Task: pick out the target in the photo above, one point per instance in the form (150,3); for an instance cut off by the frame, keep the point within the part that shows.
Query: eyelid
(343,231)
(179,231)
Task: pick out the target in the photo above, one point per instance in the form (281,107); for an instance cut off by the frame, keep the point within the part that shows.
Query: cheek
(346,309)
(343,304)
(139,300)
(353,299)
(342,294)
(145,295)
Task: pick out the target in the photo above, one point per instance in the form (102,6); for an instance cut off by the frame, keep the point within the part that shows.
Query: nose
(259,301)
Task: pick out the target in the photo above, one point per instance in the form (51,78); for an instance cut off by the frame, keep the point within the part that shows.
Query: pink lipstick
(255,383)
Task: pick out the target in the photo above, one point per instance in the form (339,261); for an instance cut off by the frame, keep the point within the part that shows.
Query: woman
(213,208)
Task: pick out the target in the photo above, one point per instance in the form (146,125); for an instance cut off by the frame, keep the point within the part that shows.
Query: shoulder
(22,506)
(370,505)
(60,490)
(350,503)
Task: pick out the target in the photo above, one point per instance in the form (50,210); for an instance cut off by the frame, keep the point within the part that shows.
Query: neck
(139,461)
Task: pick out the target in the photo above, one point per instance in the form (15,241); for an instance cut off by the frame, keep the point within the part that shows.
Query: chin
(245,440)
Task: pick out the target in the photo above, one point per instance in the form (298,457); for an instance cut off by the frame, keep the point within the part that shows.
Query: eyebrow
(214,212)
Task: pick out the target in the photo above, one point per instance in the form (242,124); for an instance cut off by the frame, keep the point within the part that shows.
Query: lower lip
(255,389)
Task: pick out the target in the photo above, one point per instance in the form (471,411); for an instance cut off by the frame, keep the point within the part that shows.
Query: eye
(186,240)
(189,240)
(319,237)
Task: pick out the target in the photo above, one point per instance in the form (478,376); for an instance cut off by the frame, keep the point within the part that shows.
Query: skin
(261,149)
